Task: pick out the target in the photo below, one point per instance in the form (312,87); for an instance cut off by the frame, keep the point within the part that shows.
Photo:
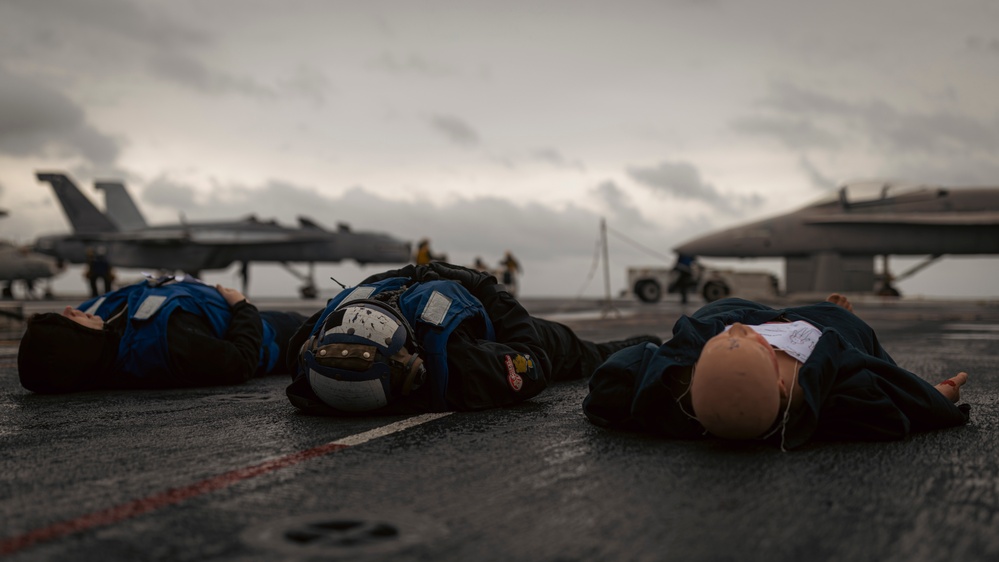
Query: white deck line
(389,429)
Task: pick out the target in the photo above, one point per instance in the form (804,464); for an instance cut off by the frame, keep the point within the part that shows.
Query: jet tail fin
(121,208)
(307,223)
(82,214)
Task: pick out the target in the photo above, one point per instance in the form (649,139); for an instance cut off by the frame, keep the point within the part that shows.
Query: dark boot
(608,348)
(593,354)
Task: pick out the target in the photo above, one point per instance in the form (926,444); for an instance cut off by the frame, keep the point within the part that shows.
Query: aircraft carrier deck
(234,474)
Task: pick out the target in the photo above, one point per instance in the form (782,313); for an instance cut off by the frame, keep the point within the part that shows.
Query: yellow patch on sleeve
(523,363)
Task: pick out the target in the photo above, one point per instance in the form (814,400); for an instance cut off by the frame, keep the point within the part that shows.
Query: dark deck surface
(234,474)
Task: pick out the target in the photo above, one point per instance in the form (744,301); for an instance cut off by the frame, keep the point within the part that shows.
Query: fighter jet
(19,264)
(831,244)
(194,247)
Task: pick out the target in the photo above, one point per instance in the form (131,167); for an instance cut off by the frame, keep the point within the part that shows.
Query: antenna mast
(607,307)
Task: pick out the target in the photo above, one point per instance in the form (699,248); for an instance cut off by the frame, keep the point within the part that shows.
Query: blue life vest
(143,351)
(434,309)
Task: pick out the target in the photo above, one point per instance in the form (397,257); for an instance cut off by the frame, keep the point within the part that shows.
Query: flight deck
(235,474)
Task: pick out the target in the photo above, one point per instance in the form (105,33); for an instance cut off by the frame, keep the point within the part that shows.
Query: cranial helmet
(735,391)
(57,354)
(352,361)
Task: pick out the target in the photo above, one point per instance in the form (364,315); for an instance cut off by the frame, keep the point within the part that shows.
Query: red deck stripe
(172,496)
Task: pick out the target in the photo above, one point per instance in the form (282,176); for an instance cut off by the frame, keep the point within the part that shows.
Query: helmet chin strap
(416,374)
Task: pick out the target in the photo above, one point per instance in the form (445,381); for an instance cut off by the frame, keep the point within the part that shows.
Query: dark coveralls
(99,270)
(852,388)
(479,368)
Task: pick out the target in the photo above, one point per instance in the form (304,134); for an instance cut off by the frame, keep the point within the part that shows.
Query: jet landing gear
(886,289)
(308,290)
(889,290)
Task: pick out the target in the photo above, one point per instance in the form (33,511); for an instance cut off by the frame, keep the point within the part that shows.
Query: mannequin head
(736,390)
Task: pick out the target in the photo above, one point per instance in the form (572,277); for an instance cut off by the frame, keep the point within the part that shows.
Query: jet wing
(212,237)
(242,237)
(985,218)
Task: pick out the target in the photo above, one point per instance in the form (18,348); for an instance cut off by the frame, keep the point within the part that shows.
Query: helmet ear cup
(414,374)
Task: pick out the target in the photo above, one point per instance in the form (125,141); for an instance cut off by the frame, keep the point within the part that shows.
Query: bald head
(736,388)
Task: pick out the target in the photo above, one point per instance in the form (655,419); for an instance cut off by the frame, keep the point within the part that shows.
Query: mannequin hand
(231,296)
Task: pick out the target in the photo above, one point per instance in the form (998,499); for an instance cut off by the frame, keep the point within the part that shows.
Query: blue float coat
(143,352)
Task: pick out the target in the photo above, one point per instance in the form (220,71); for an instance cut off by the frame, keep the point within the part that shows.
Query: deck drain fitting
(348,535)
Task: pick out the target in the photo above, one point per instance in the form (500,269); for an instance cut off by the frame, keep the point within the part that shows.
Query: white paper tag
(797,339)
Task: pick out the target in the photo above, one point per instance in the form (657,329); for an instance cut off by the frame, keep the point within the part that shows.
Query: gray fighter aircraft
(194,247)
(831,244)
(18,264)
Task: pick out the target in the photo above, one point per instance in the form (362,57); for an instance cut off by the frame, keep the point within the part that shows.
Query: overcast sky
(488,126)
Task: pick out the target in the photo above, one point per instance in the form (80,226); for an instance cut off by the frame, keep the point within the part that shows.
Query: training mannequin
(158,333)
(741,370)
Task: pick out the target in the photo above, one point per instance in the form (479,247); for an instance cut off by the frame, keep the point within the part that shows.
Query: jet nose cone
(710,245)
(746,241)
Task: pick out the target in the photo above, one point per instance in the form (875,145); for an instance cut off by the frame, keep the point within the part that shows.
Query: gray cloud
(958,170)
(456,130)
(804,118)
(678,179)
(683,181)
(412,65)
(818,179)
(620,205)
(785,97)
(555,158)
(943,132)
(116,36)
(164,192)
(36,120)
(309,83)
(986,44)
(45,25)
(795,133)
(188,71)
